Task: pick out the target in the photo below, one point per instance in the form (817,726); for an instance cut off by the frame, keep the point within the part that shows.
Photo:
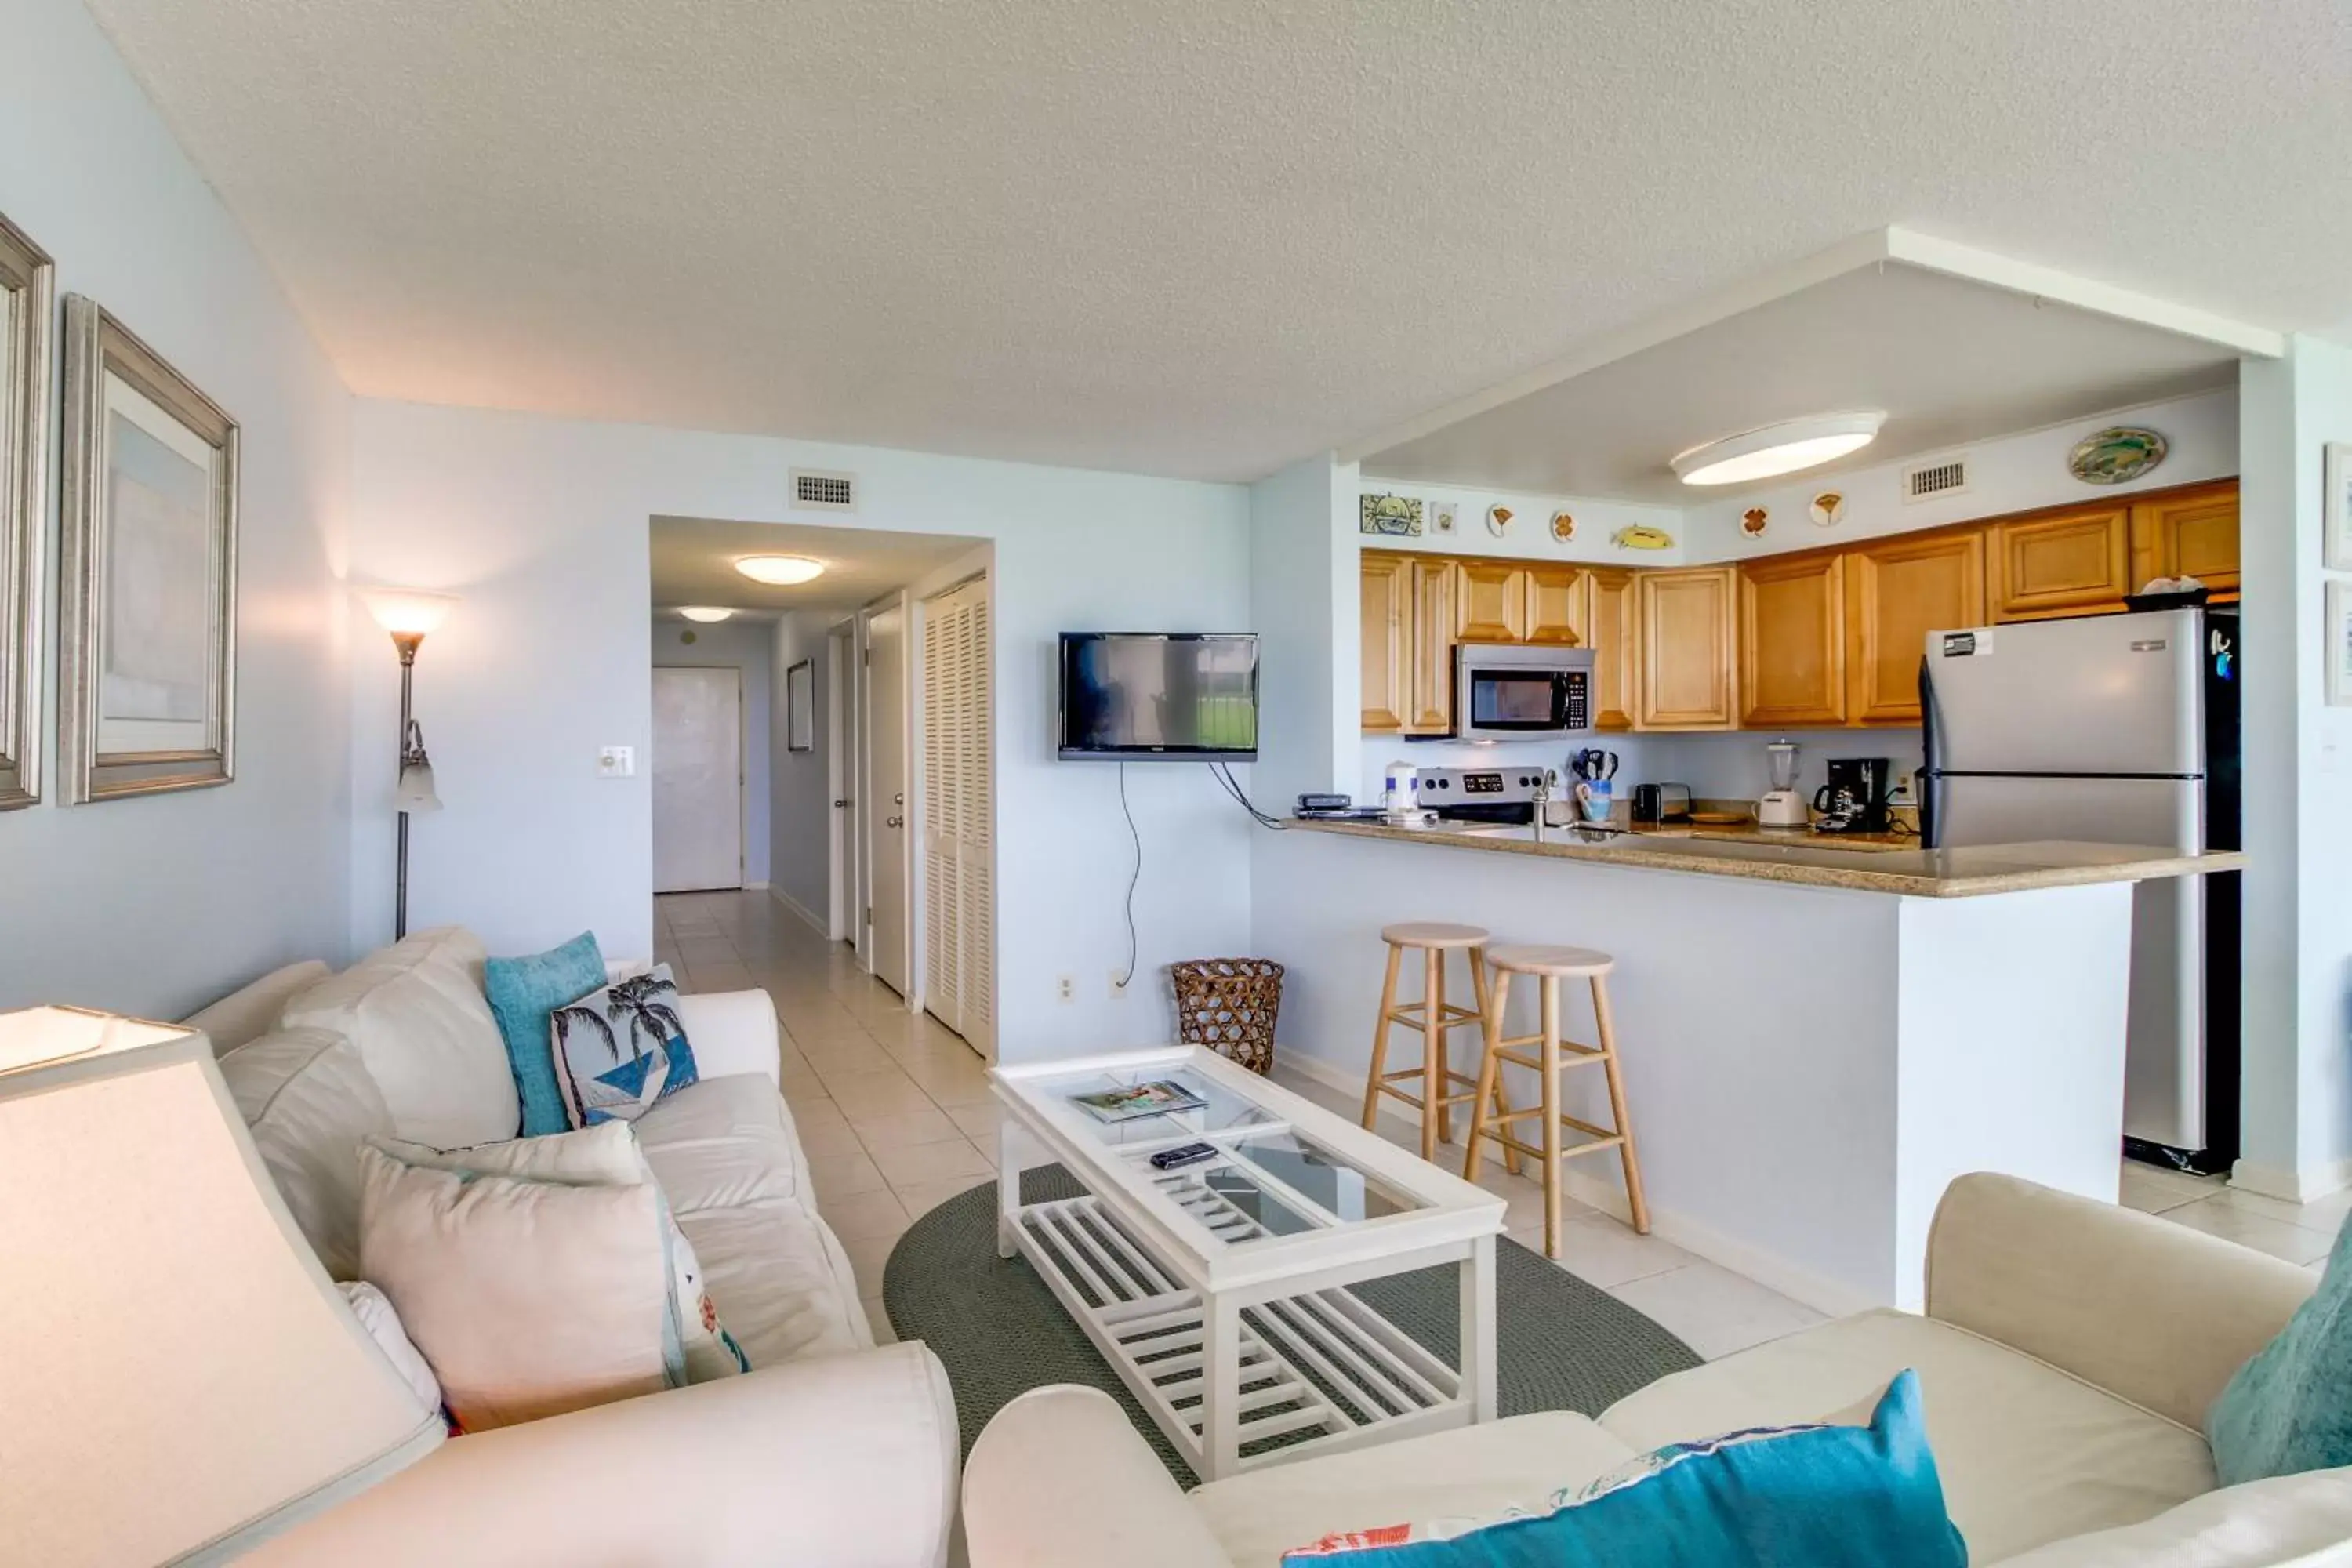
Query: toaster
(1662,802)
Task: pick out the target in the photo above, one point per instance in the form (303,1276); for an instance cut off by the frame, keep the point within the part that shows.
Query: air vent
(823,490)
(1945,477)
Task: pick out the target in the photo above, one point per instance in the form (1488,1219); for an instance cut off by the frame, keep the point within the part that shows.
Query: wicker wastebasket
(1229,1005)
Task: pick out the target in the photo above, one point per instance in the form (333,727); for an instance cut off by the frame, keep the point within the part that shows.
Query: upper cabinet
(1385,585)
(1556,605)
(1491,601)
(2189,532)
(1898,590)
(1608,627)
(1429,684)
(1793,643)
(2073,561)
(1686,676)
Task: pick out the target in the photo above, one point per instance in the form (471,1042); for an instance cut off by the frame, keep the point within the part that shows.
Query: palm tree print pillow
(620,1049)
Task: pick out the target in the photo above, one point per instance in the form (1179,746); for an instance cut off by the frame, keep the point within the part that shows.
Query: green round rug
(1561,1343)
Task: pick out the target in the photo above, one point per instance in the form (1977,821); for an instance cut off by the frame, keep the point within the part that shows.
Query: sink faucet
(1543,799)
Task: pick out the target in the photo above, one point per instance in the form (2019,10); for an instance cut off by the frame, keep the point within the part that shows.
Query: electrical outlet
(1067,988)
(1118,981)
(616,761)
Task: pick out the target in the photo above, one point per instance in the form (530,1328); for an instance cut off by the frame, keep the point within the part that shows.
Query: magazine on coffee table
(1136,1100)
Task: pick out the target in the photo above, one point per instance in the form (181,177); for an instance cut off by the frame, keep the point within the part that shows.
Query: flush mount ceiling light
(780,569)
(709,614)
(1782,448)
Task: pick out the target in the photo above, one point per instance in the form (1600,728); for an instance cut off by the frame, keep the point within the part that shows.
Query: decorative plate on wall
(1828,509)
(2115,454)
(1498,520)
(1563,527)
(1753,522)
(1642,536)
(1398,517)
(1442,514)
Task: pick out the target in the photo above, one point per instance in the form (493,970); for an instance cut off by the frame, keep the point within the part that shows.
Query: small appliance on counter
(1656,802)
(1487,795)
(1401,792)
(1854,800)
(1782,806)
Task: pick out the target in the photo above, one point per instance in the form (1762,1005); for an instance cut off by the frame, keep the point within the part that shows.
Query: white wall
(2298,787)
(541,523)
(155,905)
(2006,474)
(800,812)
(1306,605)
(749,646)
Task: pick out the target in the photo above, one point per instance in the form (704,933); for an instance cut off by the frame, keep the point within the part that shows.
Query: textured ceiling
(1205,238)
(1947,360)
(693,562)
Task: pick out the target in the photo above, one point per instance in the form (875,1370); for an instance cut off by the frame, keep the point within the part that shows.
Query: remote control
(1190,1155)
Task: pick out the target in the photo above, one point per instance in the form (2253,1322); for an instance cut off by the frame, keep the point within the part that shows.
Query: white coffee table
(1220,1290)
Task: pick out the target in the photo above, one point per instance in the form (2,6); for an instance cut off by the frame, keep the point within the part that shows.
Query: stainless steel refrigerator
(2117,730)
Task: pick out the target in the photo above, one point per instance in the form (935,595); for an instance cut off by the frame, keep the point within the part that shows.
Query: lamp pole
(407,643)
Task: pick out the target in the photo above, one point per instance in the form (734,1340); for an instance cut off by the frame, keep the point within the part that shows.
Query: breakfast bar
(1816,1038)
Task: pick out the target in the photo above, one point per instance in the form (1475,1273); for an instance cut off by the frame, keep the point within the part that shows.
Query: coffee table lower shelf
(1312,1373)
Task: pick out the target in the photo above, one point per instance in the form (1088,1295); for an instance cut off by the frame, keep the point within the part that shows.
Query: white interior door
(697,765)
(841,774)
(959,818)
(885,815)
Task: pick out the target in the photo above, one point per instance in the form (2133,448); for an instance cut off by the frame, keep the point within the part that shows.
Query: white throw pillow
(308,1101)
(604,1155)
(2287,1521)
(252,1011)
(417,1014)
(529,1298)
(375,1310)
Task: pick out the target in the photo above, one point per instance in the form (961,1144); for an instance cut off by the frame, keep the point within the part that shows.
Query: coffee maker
(1854,800)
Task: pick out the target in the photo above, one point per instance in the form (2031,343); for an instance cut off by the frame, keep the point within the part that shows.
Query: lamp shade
(411,610)
(180,1377)
(415,793)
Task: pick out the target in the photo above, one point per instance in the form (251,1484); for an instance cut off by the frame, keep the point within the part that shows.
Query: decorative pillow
(522,991)
(605,1156)
(374,1309)
(528,1299)
(308,1101)
(1827,1496)
(415,1011)
(2289,1408)
(619,1049)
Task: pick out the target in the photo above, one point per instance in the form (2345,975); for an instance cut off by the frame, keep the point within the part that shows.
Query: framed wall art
(2338,633)
(26,306)
(147,599)
(800,707)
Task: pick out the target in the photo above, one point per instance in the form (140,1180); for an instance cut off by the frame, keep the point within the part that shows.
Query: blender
(1781,806)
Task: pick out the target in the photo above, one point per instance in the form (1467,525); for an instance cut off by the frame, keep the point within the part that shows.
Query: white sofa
(2068,1354)
(829,1451)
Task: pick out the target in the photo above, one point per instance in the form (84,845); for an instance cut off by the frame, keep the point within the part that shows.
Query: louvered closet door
(960,917)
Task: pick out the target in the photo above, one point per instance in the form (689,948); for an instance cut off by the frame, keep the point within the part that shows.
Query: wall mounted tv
(1159,697)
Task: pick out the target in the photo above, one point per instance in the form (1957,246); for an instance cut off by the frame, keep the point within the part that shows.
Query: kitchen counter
(1884,864)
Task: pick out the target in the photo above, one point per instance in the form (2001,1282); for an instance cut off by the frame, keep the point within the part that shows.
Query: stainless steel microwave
(1510,691)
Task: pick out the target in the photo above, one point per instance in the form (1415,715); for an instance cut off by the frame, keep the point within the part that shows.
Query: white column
(1305,604)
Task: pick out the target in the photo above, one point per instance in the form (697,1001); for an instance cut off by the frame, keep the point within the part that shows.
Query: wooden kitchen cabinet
(1793,643)
(1607,623)
(2192,532)
(1490,601)
(1385,585)
(2072,562)
(1429,684)
(1555,606)
(1687,677)
(1898,590)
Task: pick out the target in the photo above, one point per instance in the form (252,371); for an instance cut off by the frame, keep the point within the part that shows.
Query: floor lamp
(408,614)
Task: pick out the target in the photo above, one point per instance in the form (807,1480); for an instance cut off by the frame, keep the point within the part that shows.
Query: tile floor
(895,1114)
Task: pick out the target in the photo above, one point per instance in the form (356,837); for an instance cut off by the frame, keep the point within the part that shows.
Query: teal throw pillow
(1773,1496)
(2289,1409)
(523,992)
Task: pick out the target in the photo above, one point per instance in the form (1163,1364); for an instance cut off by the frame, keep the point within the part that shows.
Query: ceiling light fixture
(1782,448)
(780,569)
(709,614)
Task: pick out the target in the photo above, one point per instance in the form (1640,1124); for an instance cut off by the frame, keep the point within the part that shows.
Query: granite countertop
(1882,864)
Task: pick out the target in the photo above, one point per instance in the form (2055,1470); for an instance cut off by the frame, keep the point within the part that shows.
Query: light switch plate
(616,761)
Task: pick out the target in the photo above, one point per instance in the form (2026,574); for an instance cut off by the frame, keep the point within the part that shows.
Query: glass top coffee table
(1218,1289)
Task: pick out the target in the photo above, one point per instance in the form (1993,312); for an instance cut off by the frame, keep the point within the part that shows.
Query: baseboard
(2292,1186)
(755,886)
(1767,1268)
(822,928)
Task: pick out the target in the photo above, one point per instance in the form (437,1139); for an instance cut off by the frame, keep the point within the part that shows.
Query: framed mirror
(26,309)
(147,632)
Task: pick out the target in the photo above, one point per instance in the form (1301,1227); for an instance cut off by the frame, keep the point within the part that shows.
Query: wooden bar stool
(1435,1073)
(1553,1054)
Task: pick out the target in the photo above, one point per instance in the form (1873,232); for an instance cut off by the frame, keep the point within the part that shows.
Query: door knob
(893,822)
(839,804)
(898,800)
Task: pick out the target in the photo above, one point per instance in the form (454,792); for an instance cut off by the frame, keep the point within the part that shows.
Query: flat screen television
(1159,697)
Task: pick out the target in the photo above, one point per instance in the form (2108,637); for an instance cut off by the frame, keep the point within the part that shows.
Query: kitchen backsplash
(1719,766)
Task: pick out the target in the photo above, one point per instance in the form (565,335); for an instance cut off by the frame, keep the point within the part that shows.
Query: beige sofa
(829,1451)
(2068,1354)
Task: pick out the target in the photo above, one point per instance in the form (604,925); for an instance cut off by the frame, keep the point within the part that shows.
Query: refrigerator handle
(1931,781)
